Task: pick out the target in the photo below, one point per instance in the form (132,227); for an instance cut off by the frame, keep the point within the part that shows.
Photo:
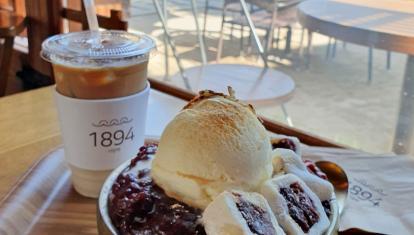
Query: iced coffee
(101,93)
(100,83)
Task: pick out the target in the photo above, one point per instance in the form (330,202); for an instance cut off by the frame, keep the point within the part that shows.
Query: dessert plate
(106,227)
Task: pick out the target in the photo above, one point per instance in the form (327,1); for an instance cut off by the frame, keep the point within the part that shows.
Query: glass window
(347,59)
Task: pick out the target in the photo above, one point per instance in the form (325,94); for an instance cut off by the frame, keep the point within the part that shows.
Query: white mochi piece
(277,137)
(223,217)
(271,191)
(292,163)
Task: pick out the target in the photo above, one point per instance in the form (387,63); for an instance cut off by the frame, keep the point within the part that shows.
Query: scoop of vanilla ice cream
(213,145)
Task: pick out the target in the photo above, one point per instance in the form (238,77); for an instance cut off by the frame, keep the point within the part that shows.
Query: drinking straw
(91,14)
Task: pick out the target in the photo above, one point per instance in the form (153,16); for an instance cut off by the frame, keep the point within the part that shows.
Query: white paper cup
(98,135)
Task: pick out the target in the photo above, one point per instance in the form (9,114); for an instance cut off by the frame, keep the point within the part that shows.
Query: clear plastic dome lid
(97,49)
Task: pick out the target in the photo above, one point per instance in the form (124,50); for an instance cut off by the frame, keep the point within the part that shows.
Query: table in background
(381,24)
(29,129)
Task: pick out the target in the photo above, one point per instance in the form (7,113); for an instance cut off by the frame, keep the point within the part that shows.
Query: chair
(268,15)
(11,25)
(253,84)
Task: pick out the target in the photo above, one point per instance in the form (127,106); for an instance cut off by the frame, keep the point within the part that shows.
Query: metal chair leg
(287,117)
(241,39)
(370,54)
(231,31)
(199,36)
(270,33)
(334,48)
(388,60)
(205,20)
(166,53)
(308,49)
(302,38)
(288,40)
(328,49)
(249,46)
(278,38)
(220,43)
(266,42)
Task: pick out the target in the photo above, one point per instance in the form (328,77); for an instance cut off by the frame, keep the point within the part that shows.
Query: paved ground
(332,97)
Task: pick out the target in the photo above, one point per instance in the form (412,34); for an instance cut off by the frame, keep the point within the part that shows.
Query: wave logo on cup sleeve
(113,122)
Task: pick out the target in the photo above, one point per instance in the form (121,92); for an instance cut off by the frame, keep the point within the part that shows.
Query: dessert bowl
(106,227)
(205,174)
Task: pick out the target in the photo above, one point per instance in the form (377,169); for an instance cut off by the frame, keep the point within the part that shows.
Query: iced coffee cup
(102,96)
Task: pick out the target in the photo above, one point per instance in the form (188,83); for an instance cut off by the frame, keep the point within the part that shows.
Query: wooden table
(382,24)
(29,128)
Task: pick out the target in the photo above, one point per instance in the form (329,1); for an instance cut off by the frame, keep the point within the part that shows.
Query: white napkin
(381,192)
